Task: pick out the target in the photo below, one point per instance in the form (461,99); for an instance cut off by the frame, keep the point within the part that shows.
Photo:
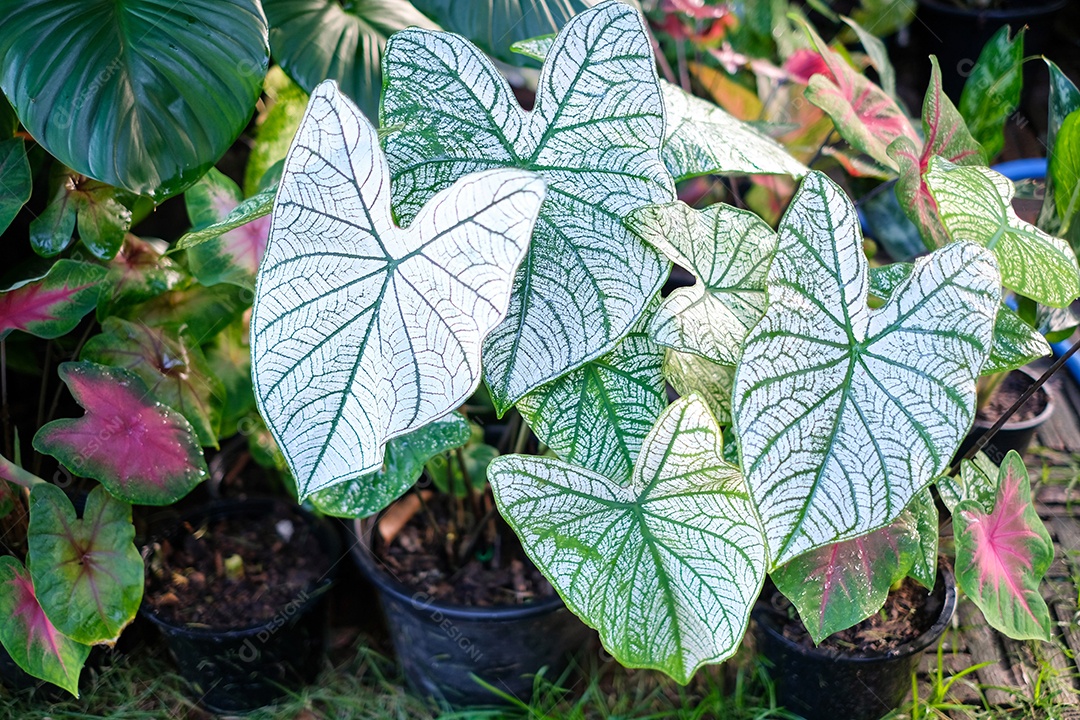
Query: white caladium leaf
(363,331)
(729,251)
(665,567)
(597,416)
(975,203)
(594,135)
(701,138)
(692,374)
(845,413)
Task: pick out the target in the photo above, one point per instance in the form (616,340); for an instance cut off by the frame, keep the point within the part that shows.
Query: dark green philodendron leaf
(1064,99)
(316,40)
(137,273)
(728,250)
(233,256)
(597,416)
(9,121)
(51,305)
(29,638)
(140,450)
(595,137)
(88,574)
(362,330)
(666,566)
(90,205)
(172,366)
(692,374)
(1002,555)
(15,181)
(275,129)
(992,91)
(975,204)
(247,211)
(1064,171)
(977,482)
(402,466)
(140,94)
(844,413)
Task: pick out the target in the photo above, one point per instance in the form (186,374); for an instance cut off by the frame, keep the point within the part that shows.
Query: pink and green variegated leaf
(87,572)
(172,366)
(137,273)
(233,256)
(840,585)
(1002,555)
(946,136)
(863,113)
(29,638)
(52,305)
(140,450)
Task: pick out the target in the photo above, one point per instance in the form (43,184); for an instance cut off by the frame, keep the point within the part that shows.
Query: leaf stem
(13,473)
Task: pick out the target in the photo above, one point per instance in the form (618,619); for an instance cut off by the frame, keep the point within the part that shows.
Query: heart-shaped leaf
(1065,170)
(172,366)
(1064,99)
(140,94)
(597,416)
(402,467)
(729,251)
(992,90)
(844,413)
(692,374)
(947,137)
(91,205)
(975,203)
(1002,555)
(364,331)
(138,272)
(701,138)
(233,256)
(28,636)
(594,135)
(247,211)
(140,450)
(17,183)
(53,305)
(87,572)
(665,567)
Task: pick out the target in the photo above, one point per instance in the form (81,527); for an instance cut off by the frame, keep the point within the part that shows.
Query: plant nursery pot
(239,670)
(824,684)
(1014,434)
(441,646)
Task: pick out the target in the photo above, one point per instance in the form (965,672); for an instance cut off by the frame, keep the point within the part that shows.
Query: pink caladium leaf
(863,113)
(840,585)
(946,136)
(139,272)
(1002,555)
(52,305)
(87,572)
(172,366)
(232,257)
(30,639)
(140,450)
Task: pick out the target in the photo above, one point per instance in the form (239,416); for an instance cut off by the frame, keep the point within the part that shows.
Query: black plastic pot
(1013,435)
(240,670)
(822,684)
(441,646)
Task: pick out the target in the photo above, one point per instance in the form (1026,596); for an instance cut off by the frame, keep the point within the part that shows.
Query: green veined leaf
(665,567)
(233,256)
(363,331)
(692,374)
(247,211)
(728,250)
(1002,555)
(924,511)
(844,413)
(402,467)
(992,91)
(595,137)
(975,204)
(141,94)
(1064,99)
(977,482)
(1055,324)
(51,305)
(1064,170)
(15,181)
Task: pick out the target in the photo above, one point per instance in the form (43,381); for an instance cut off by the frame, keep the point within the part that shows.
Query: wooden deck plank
(983,644)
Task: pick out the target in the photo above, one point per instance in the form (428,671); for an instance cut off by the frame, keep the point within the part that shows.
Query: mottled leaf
(992,90)
(977,482)
(232,257)
(924,511)
(52,305)
(689,374)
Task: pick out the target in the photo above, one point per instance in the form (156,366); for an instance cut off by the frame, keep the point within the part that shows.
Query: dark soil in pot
(238,590)
(1018,432)
(861,673)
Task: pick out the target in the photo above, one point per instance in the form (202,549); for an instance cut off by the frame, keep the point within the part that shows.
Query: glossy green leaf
(692,374)
(233,256)
(1064,170)
(666,566)
(1064,99)
(51,305)
(354,343)
(924,511)
(245,212)
(140,94)
(276,127)
(975,204)
(93,206)
(87,572)
(992,91)
(844,413)
(15,181)
(594,135)
(536,48)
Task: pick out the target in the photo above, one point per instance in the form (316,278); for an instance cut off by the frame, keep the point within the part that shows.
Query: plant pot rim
(369,566)
(1016,13)
(1036,421)
(235,506)
(917,645)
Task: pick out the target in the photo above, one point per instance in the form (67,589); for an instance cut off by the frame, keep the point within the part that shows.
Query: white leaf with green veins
(689,374)
(363,331)
(845,413)
(701,138)
(975,204)
(729,251)
(665,567)
(594,135)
